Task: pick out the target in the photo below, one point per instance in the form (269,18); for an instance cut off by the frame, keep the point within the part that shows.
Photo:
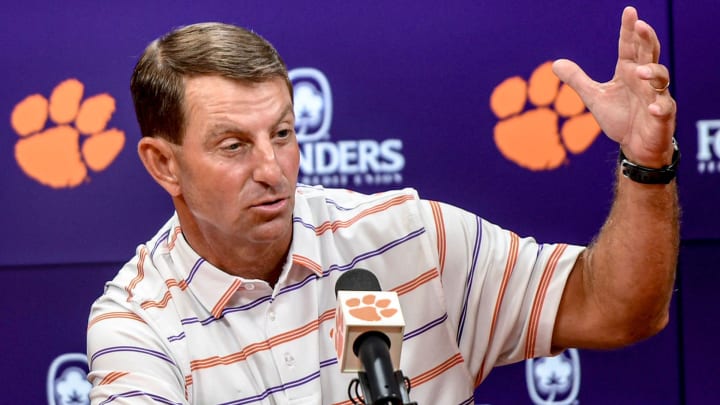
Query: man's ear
(160,161)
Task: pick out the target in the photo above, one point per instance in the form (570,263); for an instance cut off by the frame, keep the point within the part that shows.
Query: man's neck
(262,261)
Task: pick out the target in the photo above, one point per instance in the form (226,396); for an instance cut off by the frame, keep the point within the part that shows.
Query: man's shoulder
(149,260)
(315,197)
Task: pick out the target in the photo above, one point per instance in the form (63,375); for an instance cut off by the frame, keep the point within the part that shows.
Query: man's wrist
(648,175)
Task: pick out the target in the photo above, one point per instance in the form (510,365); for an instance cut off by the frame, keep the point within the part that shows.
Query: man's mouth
(271,205)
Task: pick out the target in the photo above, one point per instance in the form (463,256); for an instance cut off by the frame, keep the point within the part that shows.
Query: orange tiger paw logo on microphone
(371,309)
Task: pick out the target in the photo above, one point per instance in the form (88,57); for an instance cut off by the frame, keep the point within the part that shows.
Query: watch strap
(647,175)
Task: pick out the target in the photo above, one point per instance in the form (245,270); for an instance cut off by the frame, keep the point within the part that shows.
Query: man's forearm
(630,268)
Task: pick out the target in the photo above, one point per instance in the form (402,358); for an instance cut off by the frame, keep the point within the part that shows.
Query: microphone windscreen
(357,280)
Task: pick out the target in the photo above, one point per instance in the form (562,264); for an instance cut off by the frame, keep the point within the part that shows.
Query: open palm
(634,108)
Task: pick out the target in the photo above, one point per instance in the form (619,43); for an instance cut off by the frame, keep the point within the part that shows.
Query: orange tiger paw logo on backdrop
(58,154)
(540,120)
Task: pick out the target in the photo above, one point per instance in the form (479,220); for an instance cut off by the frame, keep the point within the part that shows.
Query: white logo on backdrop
(708,155)
(554,380)
(352,162)
(313,104)
(67,382)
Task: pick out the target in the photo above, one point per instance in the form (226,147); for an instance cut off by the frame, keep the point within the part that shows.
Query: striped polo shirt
(172,328)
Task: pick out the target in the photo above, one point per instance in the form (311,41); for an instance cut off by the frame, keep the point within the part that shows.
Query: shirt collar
(210,285)
(214,288)
(305,248)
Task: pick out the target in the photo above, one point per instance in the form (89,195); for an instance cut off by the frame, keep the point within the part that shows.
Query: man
(232,301)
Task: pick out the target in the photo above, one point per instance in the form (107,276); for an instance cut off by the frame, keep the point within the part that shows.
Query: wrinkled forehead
(218,104)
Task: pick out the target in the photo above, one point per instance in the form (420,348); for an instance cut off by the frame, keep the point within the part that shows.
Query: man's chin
(273,231)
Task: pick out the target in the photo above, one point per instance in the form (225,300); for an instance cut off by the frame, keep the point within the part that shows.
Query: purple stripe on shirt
(373,253)
(194,270)
(337,206)
(211,319)
(305,224)
(468,401)
(115,349)
(297,286)
(159,241)
(470,278)
(273,390)
(328,362)
(132,394)
(246,306)
(333,204)
(425,327)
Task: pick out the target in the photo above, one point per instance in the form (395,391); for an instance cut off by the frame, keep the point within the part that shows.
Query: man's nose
(267,168)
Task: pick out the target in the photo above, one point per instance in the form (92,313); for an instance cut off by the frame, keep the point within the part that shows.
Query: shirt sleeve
(129,362)
(502,291)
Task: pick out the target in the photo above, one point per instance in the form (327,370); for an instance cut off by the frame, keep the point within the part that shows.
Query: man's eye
(231,145)
(284,133)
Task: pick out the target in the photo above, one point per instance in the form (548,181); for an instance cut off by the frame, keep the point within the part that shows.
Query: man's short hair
(226,50)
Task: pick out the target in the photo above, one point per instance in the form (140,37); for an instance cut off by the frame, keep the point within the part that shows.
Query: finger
(626,43)
(647,43)
(657,76)
(664,108)
(569,72)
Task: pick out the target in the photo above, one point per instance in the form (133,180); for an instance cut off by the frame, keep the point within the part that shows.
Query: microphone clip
(362,382)
(384,386)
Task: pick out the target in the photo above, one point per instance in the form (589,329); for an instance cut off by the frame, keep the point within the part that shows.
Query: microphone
(368,337)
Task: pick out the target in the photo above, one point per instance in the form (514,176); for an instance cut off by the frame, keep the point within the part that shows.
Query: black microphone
(368,337)
(357,280)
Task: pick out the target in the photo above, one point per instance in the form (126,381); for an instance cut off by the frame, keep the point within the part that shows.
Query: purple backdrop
(406,90)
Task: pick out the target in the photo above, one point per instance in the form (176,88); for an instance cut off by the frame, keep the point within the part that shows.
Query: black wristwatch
(647,175)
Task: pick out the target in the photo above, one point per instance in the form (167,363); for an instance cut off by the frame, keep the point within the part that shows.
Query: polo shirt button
(271,315)
(250,287)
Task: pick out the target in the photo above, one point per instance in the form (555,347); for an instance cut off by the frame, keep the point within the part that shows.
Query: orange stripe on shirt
(335,225)
(509,266)
(157,304)
(173,238)
(254,348)
(114,315)
(326,316)
(220,306)
(416,282)
(182,285)
(437,370)
(306,262)
(140,274)
(540,299)
(113,376)
(188,383)
(440,231)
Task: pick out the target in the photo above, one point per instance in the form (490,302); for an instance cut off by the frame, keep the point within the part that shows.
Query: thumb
(569,72)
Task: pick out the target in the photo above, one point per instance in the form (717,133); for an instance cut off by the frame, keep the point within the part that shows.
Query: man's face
(238,164)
